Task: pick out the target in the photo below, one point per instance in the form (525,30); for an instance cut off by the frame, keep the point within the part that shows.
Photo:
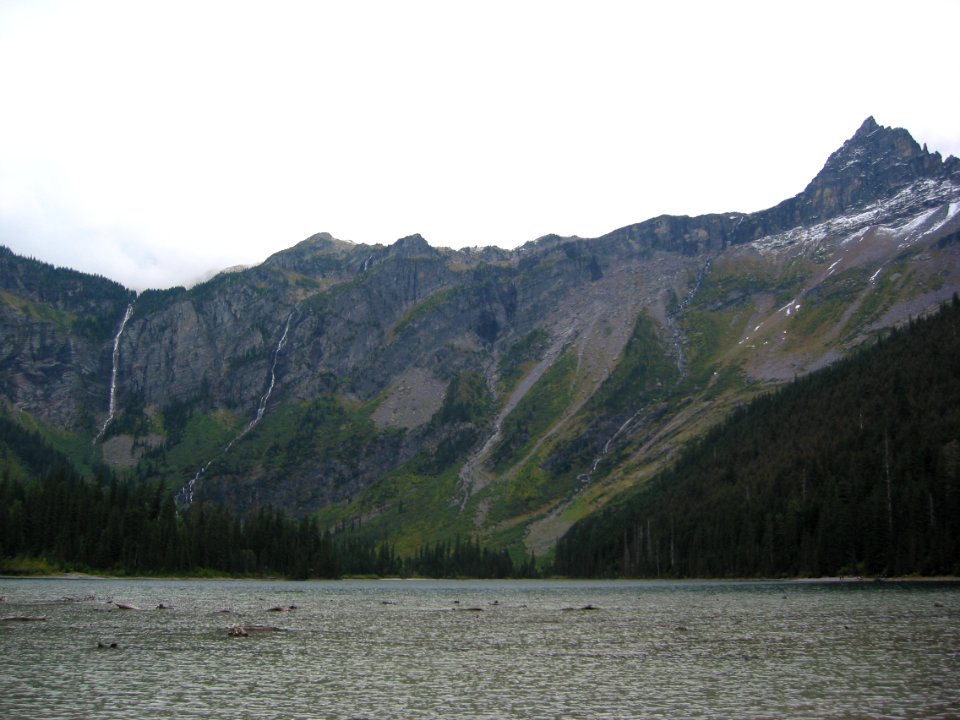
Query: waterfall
(585,477)
(113,375)
(185,495)
(273,377)
(674,327)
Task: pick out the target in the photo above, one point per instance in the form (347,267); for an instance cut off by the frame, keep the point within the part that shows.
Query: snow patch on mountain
(924,207)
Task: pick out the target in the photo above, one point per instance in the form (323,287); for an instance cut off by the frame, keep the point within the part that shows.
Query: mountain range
(421,393)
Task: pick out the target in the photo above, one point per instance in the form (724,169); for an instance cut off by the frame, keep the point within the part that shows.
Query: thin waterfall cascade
(113,375)
(273,375)
(585,477)
(185,495)
(673,317)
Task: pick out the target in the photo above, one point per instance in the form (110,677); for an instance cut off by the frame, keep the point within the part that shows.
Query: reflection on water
(459,649)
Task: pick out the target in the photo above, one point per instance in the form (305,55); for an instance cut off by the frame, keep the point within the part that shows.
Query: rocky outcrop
(56,341)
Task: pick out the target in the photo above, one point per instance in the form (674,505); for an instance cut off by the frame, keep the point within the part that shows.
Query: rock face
(877,163)
(57,326)
(528,384)
(873,164)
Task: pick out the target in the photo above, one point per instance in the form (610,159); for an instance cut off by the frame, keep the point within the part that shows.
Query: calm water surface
(460,649)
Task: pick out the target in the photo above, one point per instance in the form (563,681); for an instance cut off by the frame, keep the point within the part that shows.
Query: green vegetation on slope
(411,504)
(420,310)
(853,469)
(520,358)
(24,454)
(467,400)
(88,305)
(52,519)
(643,372)
(823,307)
(66,523)
(540,408)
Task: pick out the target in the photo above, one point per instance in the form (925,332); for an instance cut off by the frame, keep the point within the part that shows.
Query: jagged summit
(876,151)
(868,127)
(412,246)
(877,162)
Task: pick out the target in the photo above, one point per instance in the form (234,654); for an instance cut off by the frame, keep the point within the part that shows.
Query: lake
(479,649)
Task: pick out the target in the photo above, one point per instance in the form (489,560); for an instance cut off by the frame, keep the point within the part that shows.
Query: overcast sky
(153,142)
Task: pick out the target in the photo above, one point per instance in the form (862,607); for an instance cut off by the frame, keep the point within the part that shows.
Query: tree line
(854,469)
(108,525)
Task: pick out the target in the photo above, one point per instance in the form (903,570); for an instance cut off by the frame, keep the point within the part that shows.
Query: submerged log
(244,630)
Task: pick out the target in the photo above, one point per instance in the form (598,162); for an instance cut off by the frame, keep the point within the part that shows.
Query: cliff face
(54,348)
(506,393)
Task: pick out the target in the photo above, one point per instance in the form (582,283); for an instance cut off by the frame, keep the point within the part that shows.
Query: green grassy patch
(420,310)
(29,566)
(410,508)
(721,288)
(644,369)
(204,437)
(708,336)
(467,400)
(39,311)
(520,358)
(536,412)
(824,306)
(533,487)
(326,427)
(727,286)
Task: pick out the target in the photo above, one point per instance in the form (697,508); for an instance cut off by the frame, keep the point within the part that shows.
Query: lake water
(483,649)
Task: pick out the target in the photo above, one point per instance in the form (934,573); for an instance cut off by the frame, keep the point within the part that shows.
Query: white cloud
(177,137)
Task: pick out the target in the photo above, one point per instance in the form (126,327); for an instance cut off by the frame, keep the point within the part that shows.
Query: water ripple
(479,650)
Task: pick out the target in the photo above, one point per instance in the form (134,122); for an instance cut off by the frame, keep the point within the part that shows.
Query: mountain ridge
(581,365)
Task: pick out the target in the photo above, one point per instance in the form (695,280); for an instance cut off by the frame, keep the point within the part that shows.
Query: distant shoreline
(854,579)
(833,579)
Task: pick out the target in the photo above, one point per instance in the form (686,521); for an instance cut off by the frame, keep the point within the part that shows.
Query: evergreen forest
(53,519)
(851,470)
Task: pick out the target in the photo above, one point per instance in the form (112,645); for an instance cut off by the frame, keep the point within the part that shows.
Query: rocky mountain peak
(868,127)
(321,237)
(883,157)
(876,162)
(412,246)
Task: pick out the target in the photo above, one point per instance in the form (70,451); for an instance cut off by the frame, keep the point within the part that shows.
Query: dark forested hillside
(87,304)
(850,470)
(65,522)
(52,518)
